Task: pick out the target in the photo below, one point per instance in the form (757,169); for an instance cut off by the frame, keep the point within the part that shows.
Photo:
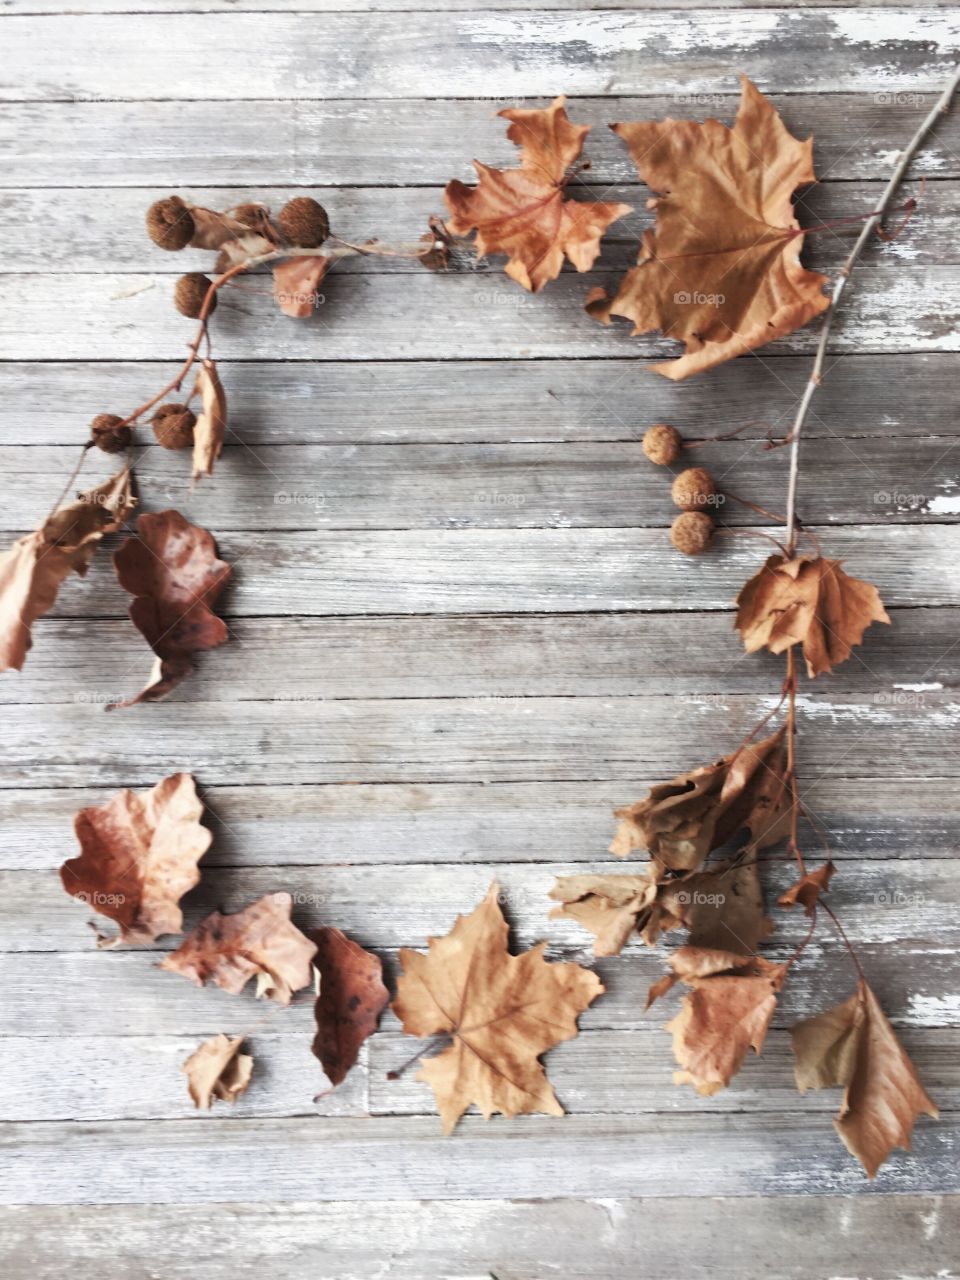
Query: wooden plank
(430,6)
(789,1238)
(379,142)
(486,54)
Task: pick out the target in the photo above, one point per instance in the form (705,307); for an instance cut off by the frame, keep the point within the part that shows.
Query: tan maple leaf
(295,284)
(808,601)
(854,1045)
(808,888)
(33,569)
(217,1070)
(138,857)
(681,821)
(501,1012)
(260,941)
(524,212)
(210,428)
(172,571)
(351,1000)
(721,271)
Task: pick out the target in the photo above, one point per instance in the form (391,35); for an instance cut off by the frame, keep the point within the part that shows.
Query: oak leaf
(260,941)
(808,888)
(172,571)
(295,284)
(351,1000)
(523,212)
(501,1012)
(722,270)
(33,569)
(854,1045)
(681,821)
(211,425)
(217,1070)
(810,602)
(138,857)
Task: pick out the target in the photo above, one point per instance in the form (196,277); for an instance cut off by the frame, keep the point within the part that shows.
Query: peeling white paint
(945,504)
(934,1011)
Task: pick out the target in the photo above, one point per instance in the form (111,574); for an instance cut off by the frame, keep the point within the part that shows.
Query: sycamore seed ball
(108,434)
(173,426)
(189,295)
(170,223)
(303,222)
(662,444)
(691,532)
(693,489)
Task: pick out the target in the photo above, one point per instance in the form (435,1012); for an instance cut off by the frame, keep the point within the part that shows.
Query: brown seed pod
(693,489)
(691,532)
(190,292)
(303,222)
(173,426)
(170,223)
(662,444)
(107,433)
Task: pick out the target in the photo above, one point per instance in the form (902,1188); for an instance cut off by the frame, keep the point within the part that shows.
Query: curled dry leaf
(501,1012)
(810,602)
(260,941)
(612,907)
(33,569)
(211,425)
(854,1045)
(351,1000)
(522,212)
(138,857)
(295,285)
(681,821)
(218,1070)
(171,569)
(722,271)
(722,907)
(808,888)
(236,240)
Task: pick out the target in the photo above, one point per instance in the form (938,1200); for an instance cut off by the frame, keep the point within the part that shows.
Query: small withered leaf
(351,1000)
(612,907)
(231,235)
(295,285)
(210,428)
(808,888)
(501,1012)
(217,1070)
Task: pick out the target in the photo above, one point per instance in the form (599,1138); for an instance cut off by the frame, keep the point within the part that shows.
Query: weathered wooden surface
(458,638)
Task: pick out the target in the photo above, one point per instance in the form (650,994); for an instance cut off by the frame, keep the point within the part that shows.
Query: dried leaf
(522,212)
(723,907)
(722,271)
(235,239)
(854,1045)
(211,425)
(810,602)
(32,570)
(138,857)
(680,822)
(611,907)
(217,1070)
(295,285)
(171,569)
(351,1000)
(259,941)
(501,1011)
(808,889)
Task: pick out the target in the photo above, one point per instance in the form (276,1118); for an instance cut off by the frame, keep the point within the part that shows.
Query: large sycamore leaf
(811,602)
(854,1045)
(722,907)
(523,212)
(32,570)
(722,271)
(351,999)
(172,571)
(138,857)
(260,941)
(218,1070)
(681,821)
(500,1011)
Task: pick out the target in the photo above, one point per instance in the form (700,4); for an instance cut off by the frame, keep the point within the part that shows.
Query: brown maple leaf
(295,284)
(523,212)
(854,1045)
(172,571)
(351,1000)
(722,271)
(501,1012)
(260,941)
(33,569)
(810,602)
(808,888)
(217,1070)
(681,821)
(211,425)
(138,857)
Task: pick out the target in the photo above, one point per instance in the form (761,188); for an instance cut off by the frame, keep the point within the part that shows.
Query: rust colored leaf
(295,285)
(680,822)
(171,569)
(722,271)
(351,1000)
(211,425)
(217,1070)
(811,602)
(260,941)
(500,1011)
(33,569)
(808,889)
(523,212)
(138,857)
(854,1045)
